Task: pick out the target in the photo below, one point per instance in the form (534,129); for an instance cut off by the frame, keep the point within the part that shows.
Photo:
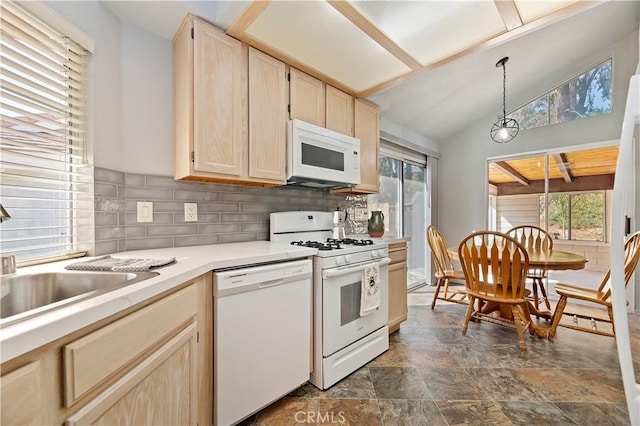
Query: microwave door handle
(332,273)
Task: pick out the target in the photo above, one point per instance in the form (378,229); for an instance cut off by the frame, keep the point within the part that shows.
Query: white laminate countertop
(28,334)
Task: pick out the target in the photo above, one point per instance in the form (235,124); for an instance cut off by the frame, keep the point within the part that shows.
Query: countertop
(31,333)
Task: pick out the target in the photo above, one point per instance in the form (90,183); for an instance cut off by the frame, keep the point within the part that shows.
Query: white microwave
(321,158)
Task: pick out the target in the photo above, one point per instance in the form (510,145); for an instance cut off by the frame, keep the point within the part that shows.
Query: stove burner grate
(352,241)
(329,245)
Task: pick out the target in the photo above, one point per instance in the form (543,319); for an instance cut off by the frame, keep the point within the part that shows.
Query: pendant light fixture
(505,129)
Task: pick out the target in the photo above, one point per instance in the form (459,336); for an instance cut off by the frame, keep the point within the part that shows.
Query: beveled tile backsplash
(226,213)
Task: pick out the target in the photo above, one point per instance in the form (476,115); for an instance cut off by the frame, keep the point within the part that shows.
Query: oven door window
(342,324)
(350,302)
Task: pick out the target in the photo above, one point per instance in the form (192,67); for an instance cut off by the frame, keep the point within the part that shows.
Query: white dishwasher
(262,336)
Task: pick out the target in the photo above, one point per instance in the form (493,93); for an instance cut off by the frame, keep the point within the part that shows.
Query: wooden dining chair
(495,269)
(535,238)
(600,297)
(445,269)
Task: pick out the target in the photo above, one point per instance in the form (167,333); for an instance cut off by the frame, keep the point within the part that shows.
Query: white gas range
(344,338)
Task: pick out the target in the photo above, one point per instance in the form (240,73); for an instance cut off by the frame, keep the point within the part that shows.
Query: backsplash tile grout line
(226,213)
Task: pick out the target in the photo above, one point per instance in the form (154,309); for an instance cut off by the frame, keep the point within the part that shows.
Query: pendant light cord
(504,95)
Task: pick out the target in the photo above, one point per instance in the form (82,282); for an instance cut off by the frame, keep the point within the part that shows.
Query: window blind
(46,183)
(393,150)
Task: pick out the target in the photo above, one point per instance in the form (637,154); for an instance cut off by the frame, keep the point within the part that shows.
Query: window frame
(547,95)
(55,200)
(543,198)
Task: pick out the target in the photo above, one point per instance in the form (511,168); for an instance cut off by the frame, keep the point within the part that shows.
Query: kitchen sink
(24,295)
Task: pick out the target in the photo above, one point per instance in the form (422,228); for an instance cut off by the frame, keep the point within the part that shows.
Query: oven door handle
(332,273)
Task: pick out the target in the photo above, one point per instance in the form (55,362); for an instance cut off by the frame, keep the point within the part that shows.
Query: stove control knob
(348,258)
(373,254)
(340,260)
(380,253)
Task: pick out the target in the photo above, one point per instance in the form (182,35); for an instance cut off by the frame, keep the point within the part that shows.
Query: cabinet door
(366,128)
(339,111)
(307,98)
(21,398)
(220,106)
(159,390)
(268,117)
(397,295)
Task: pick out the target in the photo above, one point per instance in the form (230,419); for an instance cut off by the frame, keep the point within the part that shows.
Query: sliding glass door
(415,222)
(567,193)
(404,202)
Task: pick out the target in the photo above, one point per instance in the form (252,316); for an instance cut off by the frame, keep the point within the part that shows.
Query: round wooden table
(556,260)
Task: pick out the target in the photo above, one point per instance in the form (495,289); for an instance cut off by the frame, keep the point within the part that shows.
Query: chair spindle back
(495,265)
(438,247)
(532,237)
(631,258)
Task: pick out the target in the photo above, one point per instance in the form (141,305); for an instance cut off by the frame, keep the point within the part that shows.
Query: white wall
(130,97)
(517,210)
(462,178)
(147,108)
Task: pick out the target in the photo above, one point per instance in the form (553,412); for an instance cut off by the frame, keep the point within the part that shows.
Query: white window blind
(399,152)
(46,184)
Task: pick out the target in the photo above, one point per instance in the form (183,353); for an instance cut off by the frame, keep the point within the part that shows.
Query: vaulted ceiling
(429,65)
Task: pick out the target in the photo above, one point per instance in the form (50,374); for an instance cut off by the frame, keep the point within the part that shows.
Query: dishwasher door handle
(271,283)
(259,285)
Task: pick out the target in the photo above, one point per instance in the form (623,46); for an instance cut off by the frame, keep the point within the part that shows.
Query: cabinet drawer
(91,360)
(398,255)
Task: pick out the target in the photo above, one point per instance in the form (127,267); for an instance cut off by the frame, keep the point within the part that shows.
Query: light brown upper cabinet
(210,95)
(367,129)
(214,138)
(307,98)
(339,111)
(267,117)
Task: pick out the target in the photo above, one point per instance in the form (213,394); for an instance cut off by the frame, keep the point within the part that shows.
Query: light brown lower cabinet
(397,285)
(150,366)
(165,380)
(21,402)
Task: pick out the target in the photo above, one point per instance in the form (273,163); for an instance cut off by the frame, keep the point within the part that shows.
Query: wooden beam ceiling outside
(580,183)
(563,166)
(506,168)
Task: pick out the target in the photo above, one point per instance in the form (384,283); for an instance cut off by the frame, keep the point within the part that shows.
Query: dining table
(553,260)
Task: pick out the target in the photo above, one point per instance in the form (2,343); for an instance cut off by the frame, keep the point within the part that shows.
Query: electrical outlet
(145,211)
(190,212)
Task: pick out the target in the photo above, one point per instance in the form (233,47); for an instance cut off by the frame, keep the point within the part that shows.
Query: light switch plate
(145,211)
(190,212)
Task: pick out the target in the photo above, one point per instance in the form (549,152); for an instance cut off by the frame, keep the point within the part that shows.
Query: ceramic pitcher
(376,224)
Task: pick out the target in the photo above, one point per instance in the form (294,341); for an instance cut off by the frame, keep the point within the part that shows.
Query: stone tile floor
(432,375)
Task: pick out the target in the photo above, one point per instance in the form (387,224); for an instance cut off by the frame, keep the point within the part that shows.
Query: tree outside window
(586,95)
(575,216)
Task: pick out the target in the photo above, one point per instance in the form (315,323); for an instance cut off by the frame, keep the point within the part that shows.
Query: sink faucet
(8,263)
